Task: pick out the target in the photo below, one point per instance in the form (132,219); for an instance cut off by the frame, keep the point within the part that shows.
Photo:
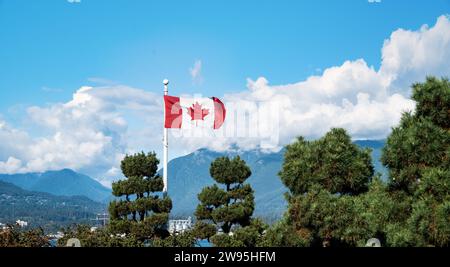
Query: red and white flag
(187,113)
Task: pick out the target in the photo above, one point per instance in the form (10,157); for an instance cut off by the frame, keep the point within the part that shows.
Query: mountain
(61,183)
(44,209)
(189,174)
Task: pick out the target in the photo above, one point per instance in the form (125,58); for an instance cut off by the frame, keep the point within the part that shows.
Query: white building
(179,226)
(3,226)
(21,223)
(56,236)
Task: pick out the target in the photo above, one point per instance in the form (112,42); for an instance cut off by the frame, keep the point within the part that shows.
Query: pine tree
(99,238)
(228,207)
(417,155)
(326,179)
(333,162)
(14,236)
(139,212)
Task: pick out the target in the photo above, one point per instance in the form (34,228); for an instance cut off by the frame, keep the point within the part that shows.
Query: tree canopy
(334,199)
(14,236)
(228,207)
(324,178)
(333,162)
(417,155)
(139,211)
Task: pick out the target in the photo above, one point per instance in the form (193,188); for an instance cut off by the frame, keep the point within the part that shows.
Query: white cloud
(196,72)
(92,132)
(88,133)
(355,96)
(374,1)
(409,55)
(74,1)
(12,165)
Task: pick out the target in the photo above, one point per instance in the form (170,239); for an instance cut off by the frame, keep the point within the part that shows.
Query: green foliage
(333,162)
(398,235)
(225,240)
(430,221)
(229,171)
(333,200)
(433,101)
(248,236)
(229,208)
(140,165)
(417,154)
(186,239)
(320,218)
(139,212)
(413,146)
(14,236)
(435,183)
(98,238)
(251,235)
(204,230)
(284,234)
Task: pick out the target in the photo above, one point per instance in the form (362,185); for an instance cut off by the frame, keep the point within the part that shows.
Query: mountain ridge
(189,174)
(65,182)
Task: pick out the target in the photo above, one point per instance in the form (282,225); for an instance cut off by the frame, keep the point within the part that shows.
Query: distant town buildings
(19,223)
(179,226)
(56,236)
(101,219)
(22,223)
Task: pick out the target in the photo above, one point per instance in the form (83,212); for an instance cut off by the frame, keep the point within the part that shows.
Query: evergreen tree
(333,200)
(14,236)
(333,162)
(98,238)
(228,207)
(140,212)
(185,239)
(326,179)
(417,154)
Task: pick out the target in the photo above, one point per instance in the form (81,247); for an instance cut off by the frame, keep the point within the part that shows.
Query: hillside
(189,174)
(61,183)
(43,209)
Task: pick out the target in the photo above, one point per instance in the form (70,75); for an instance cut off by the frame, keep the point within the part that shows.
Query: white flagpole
(165,143)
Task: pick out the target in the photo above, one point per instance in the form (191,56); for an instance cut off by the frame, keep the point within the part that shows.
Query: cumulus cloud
(88,133)
(365,101)
(12,165)
(92,132)
(409,55)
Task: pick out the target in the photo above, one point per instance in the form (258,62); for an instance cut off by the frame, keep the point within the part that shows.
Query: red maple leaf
(197,112)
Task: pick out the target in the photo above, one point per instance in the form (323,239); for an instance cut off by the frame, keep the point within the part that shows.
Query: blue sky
(80,81)
(48,48)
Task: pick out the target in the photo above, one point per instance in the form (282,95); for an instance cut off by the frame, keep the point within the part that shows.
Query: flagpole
(165,144)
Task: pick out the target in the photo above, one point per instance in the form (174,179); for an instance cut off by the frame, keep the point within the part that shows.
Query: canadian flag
(186,113)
